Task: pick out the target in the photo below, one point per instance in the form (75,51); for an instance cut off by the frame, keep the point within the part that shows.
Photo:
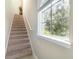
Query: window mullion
(51,18)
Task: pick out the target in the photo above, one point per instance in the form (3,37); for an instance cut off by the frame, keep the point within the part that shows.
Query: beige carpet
(18,46)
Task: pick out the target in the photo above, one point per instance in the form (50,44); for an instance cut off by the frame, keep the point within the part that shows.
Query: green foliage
(59,23)
(47,18)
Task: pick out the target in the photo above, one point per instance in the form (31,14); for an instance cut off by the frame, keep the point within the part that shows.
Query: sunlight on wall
(26,4)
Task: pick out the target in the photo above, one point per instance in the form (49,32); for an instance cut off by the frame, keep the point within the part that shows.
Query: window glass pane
(46,14)
(60,19)
(43,2)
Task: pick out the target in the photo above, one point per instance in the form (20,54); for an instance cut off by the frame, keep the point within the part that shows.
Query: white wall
(11,8)
(8,19)
(15,5)
(42,48)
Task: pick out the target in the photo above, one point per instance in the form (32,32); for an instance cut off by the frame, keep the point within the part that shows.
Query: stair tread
(18,46)
(18,52)
(19,56)
(14,42)
(18,35)
(19,39)
(18,31)
(18,27)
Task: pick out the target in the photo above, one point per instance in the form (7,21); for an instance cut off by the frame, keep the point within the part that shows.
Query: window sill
(59,42)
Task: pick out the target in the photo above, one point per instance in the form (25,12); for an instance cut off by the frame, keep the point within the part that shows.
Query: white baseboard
(6,45)
(35,56)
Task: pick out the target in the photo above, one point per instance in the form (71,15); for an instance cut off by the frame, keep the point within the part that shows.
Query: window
(54,19)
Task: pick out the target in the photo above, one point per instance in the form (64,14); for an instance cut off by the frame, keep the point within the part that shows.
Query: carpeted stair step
(13,33)
(18,26)
(18,32)
(17,41)
(19,37)
(18,46)
(19,53)
(21,34)
(18,29)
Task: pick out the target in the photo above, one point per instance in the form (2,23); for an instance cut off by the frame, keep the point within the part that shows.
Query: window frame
(60,42)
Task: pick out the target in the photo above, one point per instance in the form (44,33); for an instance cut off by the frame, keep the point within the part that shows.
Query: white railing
(28,24)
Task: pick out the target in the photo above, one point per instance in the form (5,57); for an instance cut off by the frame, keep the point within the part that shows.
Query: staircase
(18,45)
